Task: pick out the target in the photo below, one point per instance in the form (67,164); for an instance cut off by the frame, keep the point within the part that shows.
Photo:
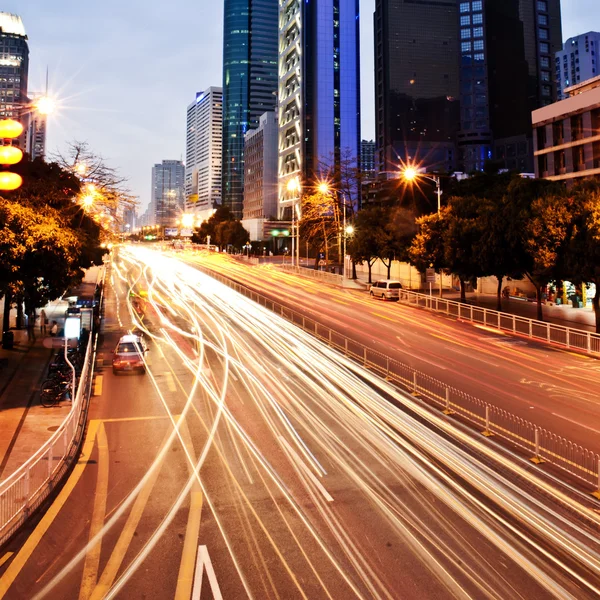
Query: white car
(387,289)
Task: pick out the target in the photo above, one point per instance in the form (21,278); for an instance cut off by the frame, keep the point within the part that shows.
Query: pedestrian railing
(568,337)
(313,274)
(540,444)
(23,491)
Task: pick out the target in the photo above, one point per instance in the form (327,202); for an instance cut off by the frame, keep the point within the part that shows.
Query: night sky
(125,70)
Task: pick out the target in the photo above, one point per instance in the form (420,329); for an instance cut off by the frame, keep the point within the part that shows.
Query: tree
(209,227)
(427,248)
(582,258)
(370,240)
(320,222)
(231,233)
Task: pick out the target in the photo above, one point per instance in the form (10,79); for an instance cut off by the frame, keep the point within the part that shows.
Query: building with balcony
(203,152)
(567,134)
(319,93)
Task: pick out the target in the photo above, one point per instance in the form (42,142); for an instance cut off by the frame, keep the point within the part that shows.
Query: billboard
(171,231)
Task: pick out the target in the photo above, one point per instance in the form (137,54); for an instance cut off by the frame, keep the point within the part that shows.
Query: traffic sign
(430,275)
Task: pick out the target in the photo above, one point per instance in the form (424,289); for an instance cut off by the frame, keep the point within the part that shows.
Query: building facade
(577,61)
(168,193)
(204,148)
(249,84)
(567,134)
(367,159)
(416,83)
(319,92)
(260,178)
(14,70)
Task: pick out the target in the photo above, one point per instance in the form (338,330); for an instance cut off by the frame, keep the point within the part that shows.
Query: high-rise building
(577,61)
(168,192)
(367,159)
(204,152)
(503,78)
(319,92)
(416,83)
(249,84)
(14,69)
(35,128)
(260,178)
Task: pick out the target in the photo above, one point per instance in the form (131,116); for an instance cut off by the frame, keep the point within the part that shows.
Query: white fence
(568,337)
(313,274)
(536,442)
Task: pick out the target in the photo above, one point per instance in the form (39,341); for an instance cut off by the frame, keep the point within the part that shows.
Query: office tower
(35,128)
(416,83)
(168,192)
(14,68)
(203,154)
(577,61)
(319,92)
(367,159)
(543,38)
(260,178)
(249,84)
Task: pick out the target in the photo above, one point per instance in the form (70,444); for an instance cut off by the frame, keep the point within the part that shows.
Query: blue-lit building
(249,84)
(319,91)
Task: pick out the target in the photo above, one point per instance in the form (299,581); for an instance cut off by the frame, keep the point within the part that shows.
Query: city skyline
(139,126)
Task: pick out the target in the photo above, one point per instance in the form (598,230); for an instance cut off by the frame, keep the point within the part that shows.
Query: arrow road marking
(202,562)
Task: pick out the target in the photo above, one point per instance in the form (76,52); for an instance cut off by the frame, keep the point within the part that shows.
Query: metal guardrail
(541,444)
(568,337)
(22,492)
(313,274)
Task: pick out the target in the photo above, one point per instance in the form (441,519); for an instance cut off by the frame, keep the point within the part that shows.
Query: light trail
(281,412)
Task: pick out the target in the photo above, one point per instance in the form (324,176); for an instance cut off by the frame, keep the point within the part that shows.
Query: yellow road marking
(187,565)
(92,557)
(34,539)
(170,382)
(5,558)
(118,554)
(127,419)
(384,317)
(98,385)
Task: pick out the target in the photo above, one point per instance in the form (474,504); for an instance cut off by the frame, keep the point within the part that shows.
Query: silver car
(388,289)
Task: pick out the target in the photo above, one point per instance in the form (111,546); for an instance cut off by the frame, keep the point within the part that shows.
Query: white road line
(203,561)
(576,423)
(306,469)
(170,382)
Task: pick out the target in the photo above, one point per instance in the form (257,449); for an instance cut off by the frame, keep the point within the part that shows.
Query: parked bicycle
(54,391)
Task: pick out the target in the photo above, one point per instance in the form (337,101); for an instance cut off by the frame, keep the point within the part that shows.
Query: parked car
(129,354)
(387,289)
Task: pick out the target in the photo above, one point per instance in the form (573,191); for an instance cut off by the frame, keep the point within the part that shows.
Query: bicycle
(55,390)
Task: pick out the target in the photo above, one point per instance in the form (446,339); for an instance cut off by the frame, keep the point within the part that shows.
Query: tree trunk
(7,306)
(354,270)
(19,323)
(369,263)
(389,269)
(463,290)
(538,293)
(499,298)
(596,306)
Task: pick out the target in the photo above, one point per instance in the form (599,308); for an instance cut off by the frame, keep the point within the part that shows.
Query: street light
(293,186)
(45,105)
(411,174)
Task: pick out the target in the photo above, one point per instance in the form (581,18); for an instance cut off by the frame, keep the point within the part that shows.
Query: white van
(386,288)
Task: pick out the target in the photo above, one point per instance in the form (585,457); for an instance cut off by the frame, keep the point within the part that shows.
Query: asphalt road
(549,386)
(251,461)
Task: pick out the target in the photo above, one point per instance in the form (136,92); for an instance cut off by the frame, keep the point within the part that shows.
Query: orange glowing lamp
(10,155)
(9,128)
(10,181)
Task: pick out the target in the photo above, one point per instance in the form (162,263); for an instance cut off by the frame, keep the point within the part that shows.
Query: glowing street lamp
(187,221)
(323,188)
(411,174)
(45,105)
(87,201)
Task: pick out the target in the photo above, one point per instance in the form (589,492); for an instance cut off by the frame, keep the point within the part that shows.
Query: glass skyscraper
(249,84)
(319,91)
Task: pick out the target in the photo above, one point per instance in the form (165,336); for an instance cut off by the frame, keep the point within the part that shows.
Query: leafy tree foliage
(223,229)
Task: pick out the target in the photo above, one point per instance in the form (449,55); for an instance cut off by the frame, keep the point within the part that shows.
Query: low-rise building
(567,134)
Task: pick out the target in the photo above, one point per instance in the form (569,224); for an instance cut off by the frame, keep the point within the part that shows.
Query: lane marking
(127,419)
(203,562)
(394,319)
(576,423)
(42,527)
(300,463)
(98,385)
(91,563)
(5,558)
(120,549)
(185,579)
(170,381)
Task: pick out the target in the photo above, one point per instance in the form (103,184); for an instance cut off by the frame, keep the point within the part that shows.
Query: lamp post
(293,186)
(412,174)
